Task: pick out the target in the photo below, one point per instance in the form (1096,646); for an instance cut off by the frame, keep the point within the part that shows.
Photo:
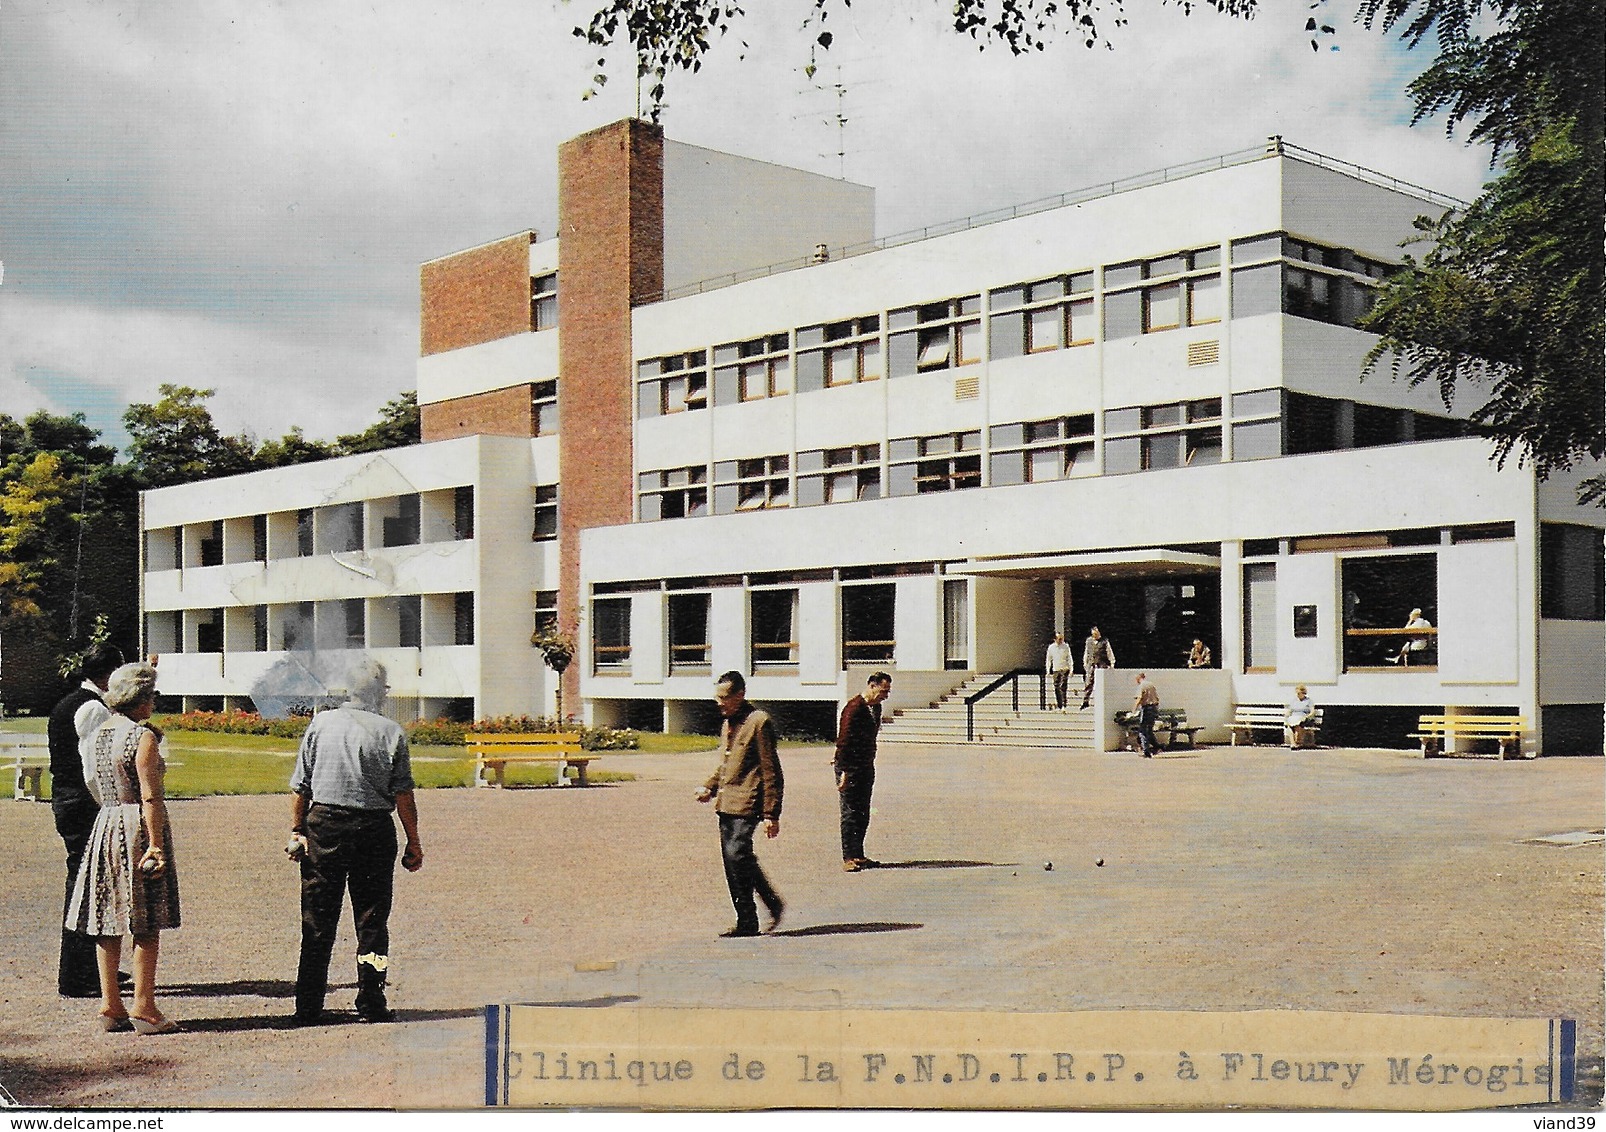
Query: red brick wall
(475,296)
(611,256)
(501,412)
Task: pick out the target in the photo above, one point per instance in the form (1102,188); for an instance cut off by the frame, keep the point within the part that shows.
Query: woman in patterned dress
(127,883)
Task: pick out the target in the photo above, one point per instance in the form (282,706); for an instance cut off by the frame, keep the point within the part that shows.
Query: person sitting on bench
(1299,713)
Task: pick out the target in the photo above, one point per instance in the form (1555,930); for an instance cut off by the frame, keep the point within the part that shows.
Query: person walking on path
(854,764)
(352,771)
(127,883)
(1146,705)
(1096,653)
(74,805)
(1057,666)
(745,789)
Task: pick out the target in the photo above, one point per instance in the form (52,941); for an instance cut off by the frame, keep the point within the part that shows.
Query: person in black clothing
(854,764)
(74,806)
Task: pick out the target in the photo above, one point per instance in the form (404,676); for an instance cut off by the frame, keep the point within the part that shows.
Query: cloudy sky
(238,195)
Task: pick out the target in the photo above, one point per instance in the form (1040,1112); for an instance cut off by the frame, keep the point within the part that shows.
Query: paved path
(1240,878)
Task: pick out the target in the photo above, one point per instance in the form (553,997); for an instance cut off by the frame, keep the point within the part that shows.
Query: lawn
(205,763)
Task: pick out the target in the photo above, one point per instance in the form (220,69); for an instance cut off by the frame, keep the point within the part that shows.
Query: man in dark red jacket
(854,764)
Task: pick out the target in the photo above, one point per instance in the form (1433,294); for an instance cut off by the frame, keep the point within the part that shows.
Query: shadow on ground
(947,865)
(850,929)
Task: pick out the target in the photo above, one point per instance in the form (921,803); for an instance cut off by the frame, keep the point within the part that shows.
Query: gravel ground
(1237,879)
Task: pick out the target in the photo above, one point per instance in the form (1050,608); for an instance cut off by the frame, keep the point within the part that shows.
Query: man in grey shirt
(353,770)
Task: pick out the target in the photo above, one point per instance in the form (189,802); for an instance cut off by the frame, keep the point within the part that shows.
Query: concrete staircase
(996,724)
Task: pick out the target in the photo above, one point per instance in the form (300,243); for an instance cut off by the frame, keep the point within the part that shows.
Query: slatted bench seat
(492,753)
(1169,725)
(30,758)
(1249,718)
(1505,731)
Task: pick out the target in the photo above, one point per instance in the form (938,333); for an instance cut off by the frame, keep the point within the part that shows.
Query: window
(209,630)
(1316,282)
(1260,617)
(752,370)
(755,484)
(610,635)
(463,513)
(546,513)
(259,538)
(838,475)
(463,619)
(1571,569)
(674,493)
(867,622)
(674,384)
(544,302)
(1033,317)
(1257,427)
(546,609)
(409,621)
(1185,290)
(403,527)
(304,528)
(934,336)
(212,545)
(946,462)
(839,353)
(1175,435)
(544,408)
(1036,451)
(1379,594)
(688,633)
(774,620)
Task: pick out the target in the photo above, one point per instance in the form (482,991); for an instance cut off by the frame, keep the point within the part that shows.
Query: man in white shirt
(1057,666)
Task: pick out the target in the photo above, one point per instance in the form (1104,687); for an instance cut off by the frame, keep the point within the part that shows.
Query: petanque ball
(1048,866)
(1099,862)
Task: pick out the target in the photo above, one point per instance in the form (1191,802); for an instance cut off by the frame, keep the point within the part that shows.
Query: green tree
(676,35)
(29,502)
(1506,300)
(292,448)
(397,427)
(174,440)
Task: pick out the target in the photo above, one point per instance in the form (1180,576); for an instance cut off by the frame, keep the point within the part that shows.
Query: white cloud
(238,194)
(266,380)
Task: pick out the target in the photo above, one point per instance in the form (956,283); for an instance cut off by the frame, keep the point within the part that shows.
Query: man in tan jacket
(748,789)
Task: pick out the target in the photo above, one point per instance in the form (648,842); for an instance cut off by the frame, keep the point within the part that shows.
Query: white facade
(1141,408)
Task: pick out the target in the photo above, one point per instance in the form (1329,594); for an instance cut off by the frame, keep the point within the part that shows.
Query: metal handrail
(1012,678)
(1274,147)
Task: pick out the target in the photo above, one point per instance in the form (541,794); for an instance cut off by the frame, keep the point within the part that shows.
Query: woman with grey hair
(127,884)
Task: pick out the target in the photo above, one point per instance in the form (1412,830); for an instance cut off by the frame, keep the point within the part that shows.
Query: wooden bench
(492,753)
(1169,724)
(1505,731)
(1249,718)
(30,758)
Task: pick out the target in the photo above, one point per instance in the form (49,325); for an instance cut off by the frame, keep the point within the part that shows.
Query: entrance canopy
(1156,562)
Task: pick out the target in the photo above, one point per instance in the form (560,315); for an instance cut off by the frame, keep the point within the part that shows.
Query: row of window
(304,626)
(445,515)
(1270,273)
(867,629)
(1266,423)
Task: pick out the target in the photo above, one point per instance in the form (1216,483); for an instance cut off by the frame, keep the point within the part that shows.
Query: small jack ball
(1099,862)
(1048,866)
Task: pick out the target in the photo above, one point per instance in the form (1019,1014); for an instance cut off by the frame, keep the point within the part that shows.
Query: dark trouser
(1062,681)
(1147,714)
(355,850)
(855,804)
(1087,685)
(742,873)
(77,973)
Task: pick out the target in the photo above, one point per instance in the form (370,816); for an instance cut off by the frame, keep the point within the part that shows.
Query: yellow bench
(492,753)
(1504,730)
(29,761)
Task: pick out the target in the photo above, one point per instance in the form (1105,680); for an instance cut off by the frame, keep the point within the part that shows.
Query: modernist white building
(1137,406)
